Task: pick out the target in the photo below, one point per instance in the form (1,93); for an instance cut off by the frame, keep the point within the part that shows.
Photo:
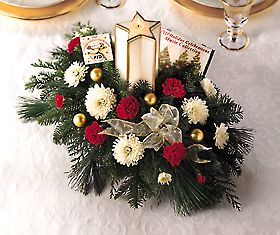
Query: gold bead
(96,74)
(79,120)
(150,98)
(197,135)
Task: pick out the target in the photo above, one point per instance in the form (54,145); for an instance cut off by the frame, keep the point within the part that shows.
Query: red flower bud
(59,100)
(201,179)
(72,44)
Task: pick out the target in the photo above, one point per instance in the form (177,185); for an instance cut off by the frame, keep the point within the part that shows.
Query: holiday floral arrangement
(175,141)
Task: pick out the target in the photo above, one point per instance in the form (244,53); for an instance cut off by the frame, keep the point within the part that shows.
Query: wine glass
(236,16)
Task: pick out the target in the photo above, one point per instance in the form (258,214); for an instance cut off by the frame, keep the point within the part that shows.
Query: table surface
(34,194)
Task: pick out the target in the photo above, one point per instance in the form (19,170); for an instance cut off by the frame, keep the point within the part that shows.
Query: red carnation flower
(174,153)
(174,87)
(72,44)
(91,134)
(128,108)
(201,179)
(59,100)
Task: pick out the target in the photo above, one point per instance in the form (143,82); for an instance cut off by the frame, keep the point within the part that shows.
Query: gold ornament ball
(150,98)
(96,74)
(197,135)
(79,120)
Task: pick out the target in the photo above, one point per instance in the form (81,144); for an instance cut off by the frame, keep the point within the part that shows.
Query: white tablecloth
(34,193)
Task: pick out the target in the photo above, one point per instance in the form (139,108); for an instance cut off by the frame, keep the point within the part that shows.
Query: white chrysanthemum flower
(164,178)
(208,87)
(221,136)
(100,101)
(128,150)
(196,110)
(75,73)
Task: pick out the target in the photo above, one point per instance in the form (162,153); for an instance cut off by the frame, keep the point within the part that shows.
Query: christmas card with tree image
(179,49)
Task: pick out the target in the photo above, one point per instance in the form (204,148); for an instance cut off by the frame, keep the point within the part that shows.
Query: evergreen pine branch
(113,191)
(112,79)
(230,191)
(61,132)
(77,29)
(233,200)
(31,109)
(60,54)
(240,142)
(235,165)
(215,168)
(137,193)
(40,81)
(217,174)
(76,107)
(134,189)
(49,91)
(141,88)
(228,163)
(120,187)
(62,59)
(66,133)
(45,65)
(188,196)
(76,145)
(149,168)
(86,174)
(223,109)
(51,116)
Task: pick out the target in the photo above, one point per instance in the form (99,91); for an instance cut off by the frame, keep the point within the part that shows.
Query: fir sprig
(134,189)
(87,174)
(32,109)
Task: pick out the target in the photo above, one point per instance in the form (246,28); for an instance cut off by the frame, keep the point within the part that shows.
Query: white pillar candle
(137,49)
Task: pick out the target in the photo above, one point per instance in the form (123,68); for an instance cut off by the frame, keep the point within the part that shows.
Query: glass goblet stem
(236,16)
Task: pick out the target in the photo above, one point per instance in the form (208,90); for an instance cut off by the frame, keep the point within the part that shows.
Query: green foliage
(94,165)
(133,188)
(86,174)
(240,142)
(111,78)
(149,168)
(188,196)
(31,109)
(41,81)
(223,109)
(228,187)
(62,131)
(82,30)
